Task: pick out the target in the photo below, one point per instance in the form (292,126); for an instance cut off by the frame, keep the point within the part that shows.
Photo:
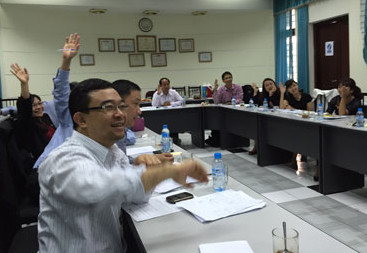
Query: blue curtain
(365,34)
(283,5)
(302,36)
(280,48)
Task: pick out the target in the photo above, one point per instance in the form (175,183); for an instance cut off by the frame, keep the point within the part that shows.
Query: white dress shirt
(173,97)
(83,185)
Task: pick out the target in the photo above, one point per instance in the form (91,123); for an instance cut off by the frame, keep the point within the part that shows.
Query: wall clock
(145,24)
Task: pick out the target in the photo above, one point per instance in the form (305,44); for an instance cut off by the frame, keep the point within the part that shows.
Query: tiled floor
(341,215)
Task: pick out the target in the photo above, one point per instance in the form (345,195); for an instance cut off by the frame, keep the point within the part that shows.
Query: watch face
(145,24)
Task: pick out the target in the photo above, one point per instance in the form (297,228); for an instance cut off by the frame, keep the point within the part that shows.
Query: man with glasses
(86,179)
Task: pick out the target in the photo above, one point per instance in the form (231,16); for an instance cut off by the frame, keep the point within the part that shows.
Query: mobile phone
(160,151)
(173,199)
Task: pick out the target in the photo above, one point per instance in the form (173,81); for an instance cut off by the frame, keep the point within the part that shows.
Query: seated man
(224,95)
(165,96)
(131,94)
(85,181)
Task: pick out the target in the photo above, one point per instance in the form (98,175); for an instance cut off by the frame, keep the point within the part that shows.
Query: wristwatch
(145,24)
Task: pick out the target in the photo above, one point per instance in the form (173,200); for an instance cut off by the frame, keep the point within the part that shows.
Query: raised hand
(216,84)
(282,88)
(71,46)
(18,72)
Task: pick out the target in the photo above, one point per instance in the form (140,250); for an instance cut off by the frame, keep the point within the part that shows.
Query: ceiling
(165,7)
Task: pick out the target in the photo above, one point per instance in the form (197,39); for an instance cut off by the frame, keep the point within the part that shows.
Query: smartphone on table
(173,199)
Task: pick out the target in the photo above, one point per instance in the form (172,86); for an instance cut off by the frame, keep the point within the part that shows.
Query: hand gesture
(148,160)
(71,46)
(282,88)
(18,72)
(216,84)
(190,168)
(159,89)
(256,89)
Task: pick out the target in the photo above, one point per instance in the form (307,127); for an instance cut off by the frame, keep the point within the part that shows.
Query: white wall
(241,43)
(326,9)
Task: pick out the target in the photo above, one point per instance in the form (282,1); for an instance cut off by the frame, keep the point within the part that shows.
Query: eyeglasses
(108,108)
(36,104)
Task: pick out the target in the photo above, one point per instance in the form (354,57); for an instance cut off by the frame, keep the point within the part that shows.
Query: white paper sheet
(156,207)
(221,204)
(225,247)
(169,185)
(134,152)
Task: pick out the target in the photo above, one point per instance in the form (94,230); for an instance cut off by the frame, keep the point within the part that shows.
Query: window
(292,71)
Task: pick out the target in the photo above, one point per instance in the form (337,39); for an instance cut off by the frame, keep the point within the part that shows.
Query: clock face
(145,24)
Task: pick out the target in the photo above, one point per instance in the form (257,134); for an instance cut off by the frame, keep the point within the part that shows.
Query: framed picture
(159,60)
(146,43)
(136,60)
(86,59)
(126,45)
(205,56)
(106,45)
(186,45)
(167,45)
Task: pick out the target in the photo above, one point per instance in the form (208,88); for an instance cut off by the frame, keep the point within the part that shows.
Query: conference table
(337,146)
(181,232)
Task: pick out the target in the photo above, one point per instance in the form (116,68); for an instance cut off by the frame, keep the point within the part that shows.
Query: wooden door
(331,42)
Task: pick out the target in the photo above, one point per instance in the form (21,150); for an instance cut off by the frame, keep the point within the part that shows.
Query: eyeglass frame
(122,107)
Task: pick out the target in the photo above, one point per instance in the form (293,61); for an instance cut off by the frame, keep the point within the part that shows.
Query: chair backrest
(248,92)
(180,90)
(194,91)
(149,94)
(5,102)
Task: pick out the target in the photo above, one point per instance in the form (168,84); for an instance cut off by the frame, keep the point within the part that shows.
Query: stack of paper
(220,247)
(156,207)
(221,204)
(135,152)
(170,185)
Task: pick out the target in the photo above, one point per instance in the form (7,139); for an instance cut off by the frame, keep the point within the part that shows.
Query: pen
(62,49)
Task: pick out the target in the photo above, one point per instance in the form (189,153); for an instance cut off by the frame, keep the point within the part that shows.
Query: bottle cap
(164,126)
(360,109)
(218,156)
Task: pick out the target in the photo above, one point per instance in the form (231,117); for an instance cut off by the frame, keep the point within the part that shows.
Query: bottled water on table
(265,105)
(219,173)
(183,101)
(360,118)
(320,112)
(165,141)
(233,101)
(251,104)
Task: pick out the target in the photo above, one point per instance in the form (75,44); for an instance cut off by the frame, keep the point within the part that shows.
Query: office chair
(5,102)
(180,90)
(149,94)
(194,91)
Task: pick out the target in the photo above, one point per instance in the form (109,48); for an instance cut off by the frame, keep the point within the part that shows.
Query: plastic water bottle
(219,173)
(320,112)
(233,101)
(183,101)
(360,118)
(165,141)
(265,105)
(251,104)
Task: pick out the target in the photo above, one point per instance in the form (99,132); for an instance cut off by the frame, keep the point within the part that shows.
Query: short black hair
(226,73)
(289,83)
(79,97)
(160,80)
(125,87)
(72,85)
